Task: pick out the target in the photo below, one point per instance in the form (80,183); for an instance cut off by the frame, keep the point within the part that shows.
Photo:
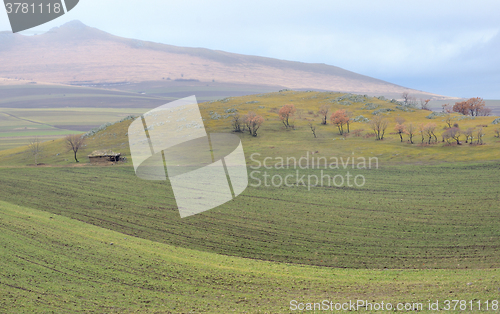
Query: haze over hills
(80,55)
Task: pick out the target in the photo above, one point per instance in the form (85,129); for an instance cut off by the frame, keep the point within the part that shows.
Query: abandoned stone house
(105,157)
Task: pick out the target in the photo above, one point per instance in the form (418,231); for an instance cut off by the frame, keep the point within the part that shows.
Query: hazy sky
(445,47)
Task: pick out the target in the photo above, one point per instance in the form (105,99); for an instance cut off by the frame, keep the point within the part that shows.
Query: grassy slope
(274,140)
(404,217)
(51,263)
(18,126)
(407,216)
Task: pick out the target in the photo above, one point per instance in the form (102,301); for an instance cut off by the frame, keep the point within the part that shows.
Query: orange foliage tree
(285,113)
(400,129)
(253,122)
(340,118)
(472,107)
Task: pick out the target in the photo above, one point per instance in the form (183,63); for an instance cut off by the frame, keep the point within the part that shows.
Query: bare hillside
(77,54)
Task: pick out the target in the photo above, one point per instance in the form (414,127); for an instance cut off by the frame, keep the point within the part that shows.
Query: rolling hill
(77,54)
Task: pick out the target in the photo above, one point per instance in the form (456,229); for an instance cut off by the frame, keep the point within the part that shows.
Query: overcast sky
(448,47)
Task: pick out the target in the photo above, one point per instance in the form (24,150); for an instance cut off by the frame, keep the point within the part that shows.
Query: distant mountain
(80,55)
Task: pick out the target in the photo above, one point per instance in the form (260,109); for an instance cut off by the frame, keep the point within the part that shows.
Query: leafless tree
(453,133)
(323,111)
(379,125)
(469,135)
(406,97)
(479,136)
(74,142)
(349,120)
(424,104)
(448,118)
(429,129)
(236,122)
(313,129)
(497,132)
(447,108)
(35,149)
(410,129)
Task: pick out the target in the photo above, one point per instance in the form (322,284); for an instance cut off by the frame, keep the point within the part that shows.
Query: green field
(425,225)
(404,217)
(53,264)
(19,126)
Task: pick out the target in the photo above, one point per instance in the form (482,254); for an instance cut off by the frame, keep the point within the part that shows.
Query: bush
(357,133)
(382,110)
(350,97)
(434,115)
(404,108)
(361,119)
(370,106)
(496,121)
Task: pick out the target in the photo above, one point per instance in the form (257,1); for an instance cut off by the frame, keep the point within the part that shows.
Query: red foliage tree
(472,107)
(400,129)
(253,122)
(285,113)
(339,118)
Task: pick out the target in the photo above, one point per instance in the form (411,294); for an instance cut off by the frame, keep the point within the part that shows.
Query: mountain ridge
(74,53)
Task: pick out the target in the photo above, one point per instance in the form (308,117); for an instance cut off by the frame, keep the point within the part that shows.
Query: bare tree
(469,135)
(424,104)
(497,132)
(35,149)
(236,122)
(429,129)
(323,111)
(313,129)
(448,118)
(479,136)
(421,129)
(74,142)
(453,133)
(410,129)
(349,120)
(447,108)
(379,125)
(406,97)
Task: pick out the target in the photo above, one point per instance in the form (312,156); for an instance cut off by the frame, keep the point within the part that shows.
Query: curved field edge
(54,263)
(411,217)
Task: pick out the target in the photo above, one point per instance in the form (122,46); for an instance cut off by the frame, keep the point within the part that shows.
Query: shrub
(370,106)
(434,115)
(357,133)
(382,110)
(361,119)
